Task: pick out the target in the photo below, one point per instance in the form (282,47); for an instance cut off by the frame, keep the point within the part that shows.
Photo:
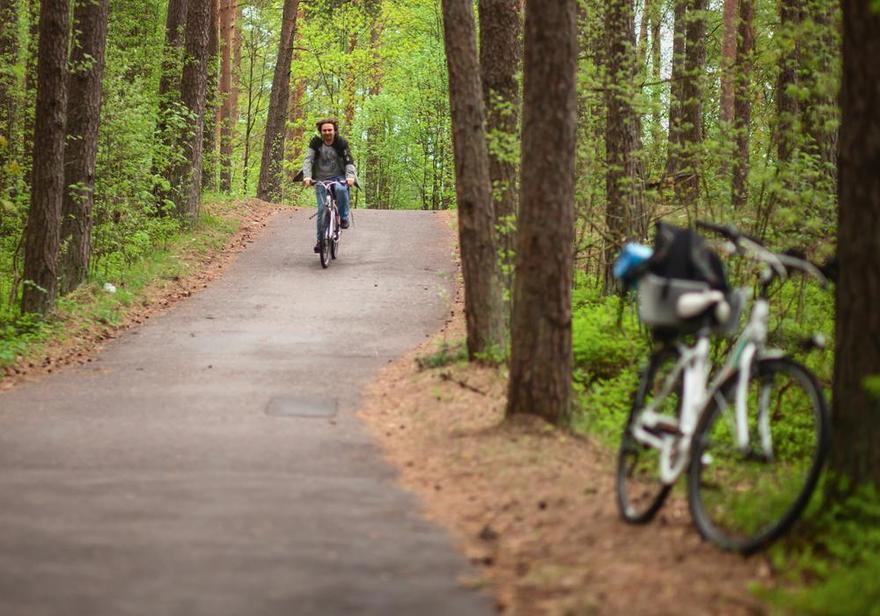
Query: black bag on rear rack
(683,254)
(682,263)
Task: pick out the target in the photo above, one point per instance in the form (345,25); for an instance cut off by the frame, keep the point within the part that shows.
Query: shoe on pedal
(318,247)
(344,223)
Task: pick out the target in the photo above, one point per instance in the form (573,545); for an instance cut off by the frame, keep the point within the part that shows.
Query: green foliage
(833,561)
(447,354)
(609,347)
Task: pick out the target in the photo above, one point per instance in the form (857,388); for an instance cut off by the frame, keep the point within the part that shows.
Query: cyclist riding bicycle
(329,158)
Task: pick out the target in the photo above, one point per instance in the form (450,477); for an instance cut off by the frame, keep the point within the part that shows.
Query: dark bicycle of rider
(329,158)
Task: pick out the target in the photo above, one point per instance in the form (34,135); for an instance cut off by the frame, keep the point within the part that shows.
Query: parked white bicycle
(753,439)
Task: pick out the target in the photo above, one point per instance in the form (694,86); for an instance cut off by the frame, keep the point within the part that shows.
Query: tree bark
(81,148)
(676,88)
(624,210)
(8,88)
(500,56)
(269,186)
(42,232)
(175,37)
(541,354)
(787,108)
(687,186)
(212,102)
(350,84)
(228,90)
(855,451)
(30,83)
(187,176)
(295,109)
(728,61)
(476,221)
(743,103)
(374,175)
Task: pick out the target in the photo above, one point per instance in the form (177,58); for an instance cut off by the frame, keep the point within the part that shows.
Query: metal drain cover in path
(291,406)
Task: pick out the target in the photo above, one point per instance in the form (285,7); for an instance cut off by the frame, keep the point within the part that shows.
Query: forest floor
(530,505)
(533,507)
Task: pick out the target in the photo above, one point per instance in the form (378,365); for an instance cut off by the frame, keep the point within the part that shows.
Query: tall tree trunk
(656,60)
(81,149)
(821,109)
(169,81)
(212,98)
(42,232)
(8,89)
(269,187)
(500,55)
(743,103)
(228,90)
(187,176)
(728,62)
(687,188)
(855,451)
(624,210)
(676,88)
(295,110)
(476,221)
(541,355)
(30,83)
(787,108)
(373,174)
(350,84)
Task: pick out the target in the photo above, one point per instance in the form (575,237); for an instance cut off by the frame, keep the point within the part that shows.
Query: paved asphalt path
(210,461)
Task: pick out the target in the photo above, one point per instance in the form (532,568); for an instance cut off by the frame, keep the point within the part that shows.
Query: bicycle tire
(326,240)
(640,492)
(334,242)
(767,493)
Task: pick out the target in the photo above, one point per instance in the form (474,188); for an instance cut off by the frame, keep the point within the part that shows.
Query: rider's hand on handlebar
(349,181)
(308,181)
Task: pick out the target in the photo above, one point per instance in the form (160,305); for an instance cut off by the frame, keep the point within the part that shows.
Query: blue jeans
(341,200)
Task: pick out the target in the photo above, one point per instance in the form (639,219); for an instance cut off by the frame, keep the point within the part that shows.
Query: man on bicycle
(329,158)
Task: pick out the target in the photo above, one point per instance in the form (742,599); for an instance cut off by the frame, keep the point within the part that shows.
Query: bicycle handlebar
(779,263)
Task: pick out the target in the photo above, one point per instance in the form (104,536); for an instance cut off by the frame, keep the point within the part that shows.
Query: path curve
(210,461)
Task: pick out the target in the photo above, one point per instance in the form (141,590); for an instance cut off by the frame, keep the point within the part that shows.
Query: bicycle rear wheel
(742,499)
(640,492)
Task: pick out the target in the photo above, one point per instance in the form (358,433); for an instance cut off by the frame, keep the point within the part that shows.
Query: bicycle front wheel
(326,240)
(744,496)
(640,491)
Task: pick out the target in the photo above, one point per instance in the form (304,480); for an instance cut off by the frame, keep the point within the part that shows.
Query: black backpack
(683,253)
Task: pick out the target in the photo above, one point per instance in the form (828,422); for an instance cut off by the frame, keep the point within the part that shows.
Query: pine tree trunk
(350,84)
(269,186)
(187,176)
(42,232)
(228,90)
(209,145)
(855,450)
(787,108)
(676,88)
(687,186)
(373,174)
(541,354)
(295,110)
(624,210)
(728,61)
(175,36)
(30,84)
(476,221)
(500,55)
(8,91)
(743,103)
(81,149)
